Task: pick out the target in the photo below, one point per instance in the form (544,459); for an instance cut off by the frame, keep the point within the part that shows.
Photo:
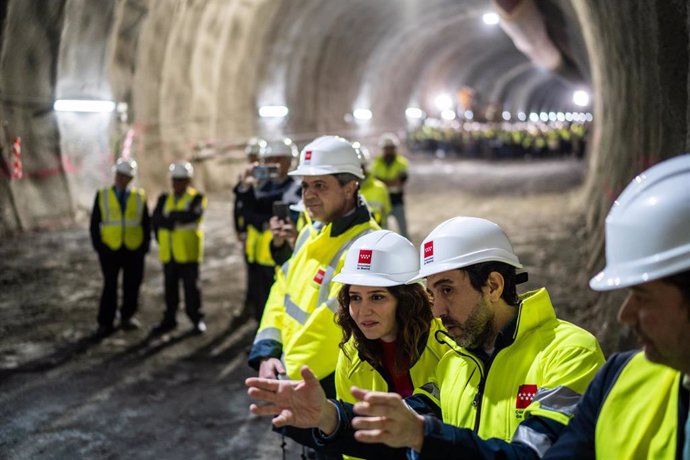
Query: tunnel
(190,80)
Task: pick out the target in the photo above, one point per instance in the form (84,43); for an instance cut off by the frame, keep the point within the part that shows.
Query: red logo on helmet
(525,395)
(364,260)
(318,278)
(307,155)
(428,252)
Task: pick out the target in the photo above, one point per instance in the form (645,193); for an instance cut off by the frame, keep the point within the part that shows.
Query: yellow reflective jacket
(385,172)
(639,417)
(375,193)
(185,242)
(117,228)
(298,321)
(542,372)
(257,246)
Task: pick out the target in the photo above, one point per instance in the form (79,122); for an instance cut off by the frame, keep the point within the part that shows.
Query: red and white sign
(364,259)
(307,155)
(318,278)
(525,395)
(17,169)
(428,252)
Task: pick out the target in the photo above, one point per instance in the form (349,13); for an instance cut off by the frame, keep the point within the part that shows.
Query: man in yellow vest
(391,168)
(297,326)
(637,406)
(177,222)
(507,386)
(374,192)
(121,235)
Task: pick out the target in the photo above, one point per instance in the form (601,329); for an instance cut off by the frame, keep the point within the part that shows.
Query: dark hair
(413,317)
(480,272)
(682,282)
(345,178)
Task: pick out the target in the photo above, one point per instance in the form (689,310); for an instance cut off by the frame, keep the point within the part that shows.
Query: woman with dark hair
(388,339)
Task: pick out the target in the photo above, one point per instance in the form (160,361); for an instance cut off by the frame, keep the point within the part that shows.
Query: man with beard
(637,406)
(506,388)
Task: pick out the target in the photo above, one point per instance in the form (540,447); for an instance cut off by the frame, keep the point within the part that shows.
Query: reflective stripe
(190,226)
(432,389)
(285,268)
(332,304)
(295,312)
(270,333)
(538,442)
(325,288)
(560,399)
(301,239)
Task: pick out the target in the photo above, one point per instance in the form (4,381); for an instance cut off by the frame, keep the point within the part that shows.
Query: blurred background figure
(121,235)
(265,190)
(374,192)
(177,221)
(391,168)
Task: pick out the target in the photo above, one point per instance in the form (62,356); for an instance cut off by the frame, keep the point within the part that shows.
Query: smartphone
(265,172)
(281,210)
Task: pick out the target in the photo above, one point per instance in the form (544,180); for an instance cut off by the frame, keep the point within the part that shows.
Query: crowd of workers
(368,347)
(502,140)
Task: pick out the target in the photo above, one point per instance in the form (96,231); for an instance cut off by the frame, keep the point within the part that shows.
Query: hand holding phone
(281,210)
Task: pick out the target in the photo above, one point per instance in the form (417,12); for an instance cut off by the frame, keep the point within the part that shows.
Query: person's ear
(495,285)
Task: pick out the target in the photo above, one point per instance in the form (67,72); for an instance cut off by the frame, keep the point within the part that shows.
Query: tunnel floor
(182,396)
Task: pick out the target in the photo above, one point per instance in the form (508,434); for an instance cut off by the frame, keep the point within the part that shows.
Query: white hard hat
(281,148)
(363,153)
(380,258)
(463,241)
(328,155)
(648,228)
(255,146)
(126,167)
(388,140)
(183,170)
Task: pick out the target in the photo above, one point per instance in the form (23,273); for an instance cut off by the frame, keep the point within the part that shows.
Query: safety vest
(542,372)
(383,171)
(299,313)
(257,246)
(375,193)
(639,418)
(185,243)
(118,227)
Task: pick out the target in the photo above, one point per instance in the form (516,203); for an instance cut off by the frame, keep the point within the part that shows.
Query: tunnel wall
(639,56)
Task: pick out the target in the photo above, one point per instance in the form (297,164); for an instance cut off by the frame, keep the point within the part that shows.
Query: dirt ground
(182,396)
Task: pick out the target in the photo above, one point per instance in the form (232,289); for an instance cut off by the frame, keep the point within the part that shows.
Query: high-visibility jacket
(185,241)
(541,372)
(527,394)
(634,409)
(397,169)
(298,321)
(257,246)
(375,193)
(118,228)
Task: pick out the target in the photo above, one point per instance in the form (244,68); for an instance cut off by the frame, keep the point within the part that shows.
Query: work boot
(102,332)
(199,327)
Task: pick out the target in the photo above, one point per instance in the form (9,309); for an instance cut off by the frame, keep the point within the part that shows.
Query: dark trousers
(132,265)
(189,274)
(259,281)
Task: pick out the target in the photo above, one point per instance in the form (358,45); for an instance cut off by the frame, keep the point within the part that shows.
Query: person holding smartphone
(264,183)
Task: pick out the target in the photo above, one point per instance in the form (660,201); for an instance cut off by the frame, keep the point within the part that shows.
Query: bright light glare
(560,116)
(581,98)
(490,18)
(469,114)
(569,116)
(362,114)
(506,115)
(273,111)
(589,117)
(83,105)
(443,102)
(534,117)
(543,116)
(448,115)
(521,116)
(414,112)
